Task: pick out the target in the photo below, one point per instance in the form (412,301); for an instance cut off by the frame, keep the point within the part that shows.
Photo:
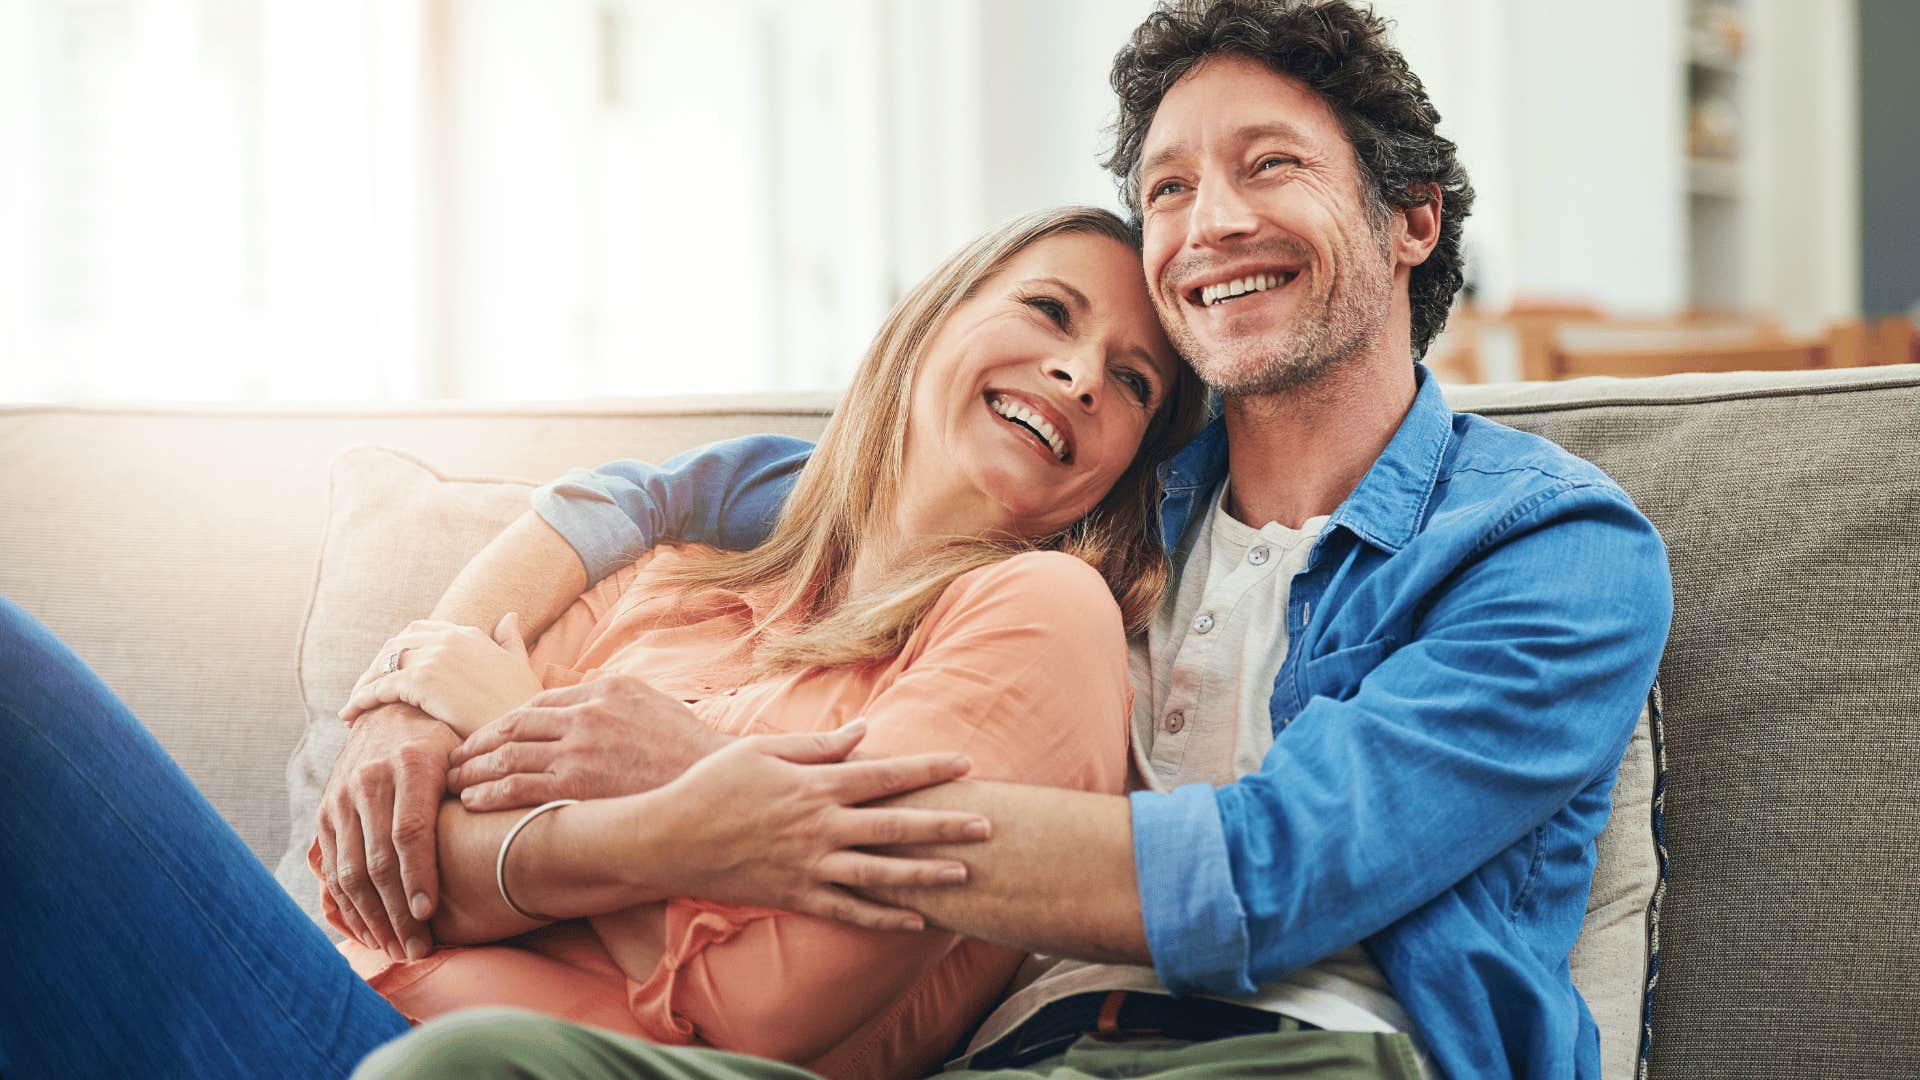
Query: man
(1379,717)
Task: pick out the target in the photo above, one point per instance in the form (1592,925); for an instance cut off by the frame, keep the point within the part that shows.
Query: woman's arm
(767,818)
(562,865)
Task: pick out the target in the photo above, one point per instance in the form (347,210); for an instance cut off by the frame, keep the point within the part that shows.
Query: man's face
(1261,257)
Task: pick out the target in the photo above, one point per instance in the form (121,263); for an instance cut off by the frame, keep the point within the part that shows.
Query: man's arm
(1514,696)
(1056,877)
(726,494)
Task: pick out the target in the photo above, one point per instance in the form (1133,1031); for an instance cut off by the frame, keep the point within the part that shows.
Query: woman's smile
(1035,423)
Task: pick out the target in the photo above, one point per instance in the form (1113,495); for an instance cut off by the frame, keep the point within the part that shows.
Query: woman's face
(1033,397)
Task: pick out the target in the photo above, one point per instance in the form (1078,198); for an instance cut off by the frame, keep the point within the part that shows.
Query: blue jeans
(138,934)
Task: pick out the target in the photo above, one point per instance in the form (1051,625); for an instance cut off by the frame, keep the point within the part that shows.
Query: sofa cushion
(397,532)
(1790,932)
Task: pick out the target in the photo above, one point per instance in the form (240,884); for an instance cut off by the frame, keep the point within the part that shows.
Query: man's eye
(1165,188)
(1272,162)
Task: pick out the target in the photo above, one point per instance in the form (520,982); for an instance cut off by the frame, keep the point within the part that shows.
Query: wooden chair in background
(1454,357)
(1568,340)
(1541,330)
(1893,340)
(1844,345)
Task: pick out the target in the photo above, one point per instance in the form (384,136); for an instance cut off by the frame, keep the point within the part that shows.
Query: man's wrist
(397,717)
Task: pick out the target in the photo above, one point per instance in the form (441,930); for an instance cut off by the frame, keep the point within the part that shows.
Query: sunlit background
(246,200)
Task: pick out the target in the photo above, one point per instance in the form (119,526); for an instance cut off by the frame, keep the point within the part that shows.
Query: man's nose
(1221,212)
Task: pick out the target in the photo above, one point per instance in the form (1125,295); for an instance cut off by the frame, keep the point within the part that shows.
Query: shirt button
(1204,623)
(1258,556)
(1175,721)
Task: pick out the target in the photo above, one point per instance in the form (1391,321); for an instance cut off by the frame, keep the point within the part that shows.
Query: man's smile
(1227,289)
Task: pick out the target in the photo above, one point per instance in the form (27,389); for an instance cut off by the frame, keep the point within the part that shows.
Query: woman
(975,522)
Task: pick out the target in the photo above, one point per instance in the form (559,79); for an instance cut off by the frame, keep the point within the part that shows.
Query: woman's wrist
(597,856)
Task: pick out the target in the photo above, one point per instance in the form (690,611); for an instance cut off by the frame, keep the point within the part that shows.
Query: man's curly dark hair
(1341,52)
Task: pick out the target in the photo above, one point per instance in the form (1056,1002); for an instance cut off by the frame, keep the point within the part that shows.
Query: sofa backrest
(174,549)
(1789,937)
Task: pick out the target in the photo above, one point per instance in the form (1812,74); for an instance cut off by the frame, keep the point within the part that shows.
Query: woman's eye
(1053,309)
(1138,383)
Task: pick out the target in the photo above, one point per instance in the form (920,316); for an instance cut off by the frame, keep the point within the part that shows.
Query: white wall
(1569,118)
(1800,226)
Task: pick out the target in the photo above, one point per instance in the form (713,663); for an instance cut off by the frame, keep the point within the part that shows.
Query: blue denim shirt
(1471,641)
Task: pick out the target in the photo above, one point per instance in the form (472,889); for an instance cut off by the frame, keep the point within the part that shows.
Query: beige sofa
(179,550)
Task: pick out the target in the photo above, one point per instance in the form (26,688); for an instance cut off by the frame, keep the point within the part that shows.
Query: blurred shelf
(1708,52)
(1713,178)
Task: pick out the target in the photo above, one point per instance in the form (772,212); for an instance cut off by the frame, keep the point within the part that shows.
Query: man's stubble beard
(1328,332)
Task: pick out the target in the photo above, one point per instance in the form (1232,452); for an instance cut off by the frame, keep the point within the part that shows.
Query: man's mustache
(1196,265)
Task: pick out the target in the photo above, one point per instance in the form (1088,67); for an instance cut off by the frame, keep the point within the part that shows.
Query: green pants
(507,1043)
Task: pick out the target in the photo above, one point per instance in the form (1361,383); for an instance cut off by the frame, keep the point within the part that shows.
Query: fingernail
(416,948)
(855,723)
(961,763)
(953,875)
(979,829)
(419,905)
(913,924)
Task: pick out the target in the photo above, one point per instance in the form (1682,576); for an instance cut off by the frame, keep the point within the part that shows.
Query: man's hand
(376,829)
(597,740)
(777,821)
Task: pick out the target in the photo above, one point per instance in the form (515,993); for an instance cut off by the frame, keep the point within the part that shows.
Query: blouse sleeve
(1022,666)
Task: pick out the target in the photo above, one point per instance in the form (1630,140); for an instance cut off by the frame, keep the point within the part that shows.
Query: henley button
(1258,556)
(1204,623)
(1175,721)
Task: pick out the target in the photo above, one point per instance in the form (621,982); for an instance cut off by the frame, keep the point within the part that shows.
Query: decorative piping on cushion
(1654,707)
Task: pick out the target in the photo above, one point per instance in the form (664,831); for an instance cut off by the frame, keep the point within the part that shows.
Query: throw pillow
(397,533)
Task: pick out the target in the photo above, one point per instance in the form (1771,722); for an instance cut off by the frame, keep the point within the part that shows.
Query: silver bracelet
(500,863)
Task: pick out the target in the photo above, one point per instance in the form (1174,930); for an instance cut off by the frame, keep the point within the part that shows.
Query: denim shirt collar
(1385,510)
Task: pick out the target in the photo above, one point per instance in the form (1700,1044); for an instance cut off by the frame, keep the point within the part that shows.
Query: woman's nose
(1078,379)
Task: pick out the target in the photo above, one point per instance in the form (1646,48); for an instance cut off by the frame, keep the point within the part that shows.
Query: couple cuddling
(1281,743)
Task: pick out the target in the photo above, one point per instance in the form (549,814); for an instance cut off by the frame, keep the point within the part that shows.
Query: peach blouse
(1021,665)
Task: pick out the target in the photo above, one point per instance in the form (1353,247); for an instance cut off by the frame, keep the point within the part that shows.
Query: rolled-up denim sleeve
(726,494)
(1196,926)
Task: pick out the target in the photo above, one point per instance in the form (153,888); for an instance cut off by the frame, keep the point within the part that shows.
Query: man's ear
(1419,229)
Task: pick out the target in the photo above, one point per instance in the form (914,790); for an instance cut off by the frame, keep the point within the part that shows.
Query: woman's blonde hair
(848,489)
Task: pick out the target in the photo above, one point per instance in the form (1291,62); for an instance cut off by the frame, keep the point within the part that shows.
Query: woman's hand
(610,736)
(455,674)
(777,821)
